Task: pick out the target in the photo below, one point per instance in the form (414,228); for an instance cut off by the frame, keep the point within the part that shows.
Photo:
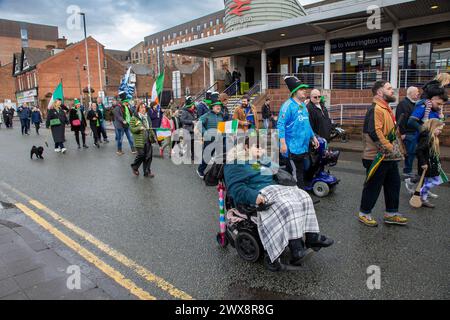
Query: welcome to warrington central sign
(241,14)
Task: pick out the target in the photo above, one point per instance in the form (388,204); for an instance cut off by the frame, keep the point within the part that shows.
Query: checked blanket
(289,218)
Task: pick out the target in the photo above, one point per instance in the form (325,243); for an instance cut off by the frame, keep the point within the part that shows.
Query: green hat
(76,101)
(294,84)
(126,100)
(215,99)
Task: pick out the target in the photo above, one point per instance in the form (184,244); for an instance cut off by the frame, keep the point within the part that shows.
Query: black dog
(38,151)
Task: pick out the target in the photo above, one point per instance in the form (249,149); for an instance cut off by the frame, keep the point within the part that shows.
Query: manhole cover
(6,205)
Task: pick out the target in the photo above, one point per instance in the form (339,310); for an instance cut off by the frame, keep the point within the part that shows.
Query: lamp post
(87,56)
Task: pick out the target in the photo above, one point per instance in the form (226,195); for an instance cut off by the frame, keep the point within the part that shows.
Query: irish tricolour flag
(162,134)
(228,127)
(57,94)
(158,88)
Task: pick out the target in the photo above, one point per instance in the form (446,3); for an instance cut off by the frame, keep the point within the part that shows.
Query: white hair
(410,90)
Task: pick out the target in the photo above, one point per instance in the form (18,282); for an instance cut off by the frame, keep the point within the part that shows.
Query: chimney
(61,43)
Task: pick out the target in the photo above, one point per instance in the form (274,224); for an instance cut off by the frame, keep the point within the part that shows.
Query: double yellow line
(92,258)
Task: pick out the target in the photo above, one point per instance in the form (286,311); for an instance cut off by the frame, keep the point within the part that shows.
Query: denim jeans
(410,145)
(266,123)
(119,138)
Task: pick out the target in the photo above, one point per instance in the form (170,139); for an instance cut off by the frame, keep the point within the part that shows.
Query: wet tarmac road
(168,224)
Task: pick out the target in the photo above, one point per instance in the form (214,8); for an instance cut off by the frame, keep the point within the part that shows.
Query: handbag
(76,123)
(284,178)
(55,122)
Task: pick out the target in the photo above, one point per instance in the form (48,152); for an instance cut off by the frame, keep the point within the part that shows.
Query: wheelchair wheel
(321,189)
(248,247)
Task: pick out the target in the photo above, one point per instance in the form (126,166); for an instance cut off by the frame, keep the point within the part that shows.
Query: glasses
(317,97)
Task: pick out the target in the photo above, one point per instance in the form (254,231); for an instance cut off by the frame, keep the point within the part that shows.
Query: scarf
(127,114)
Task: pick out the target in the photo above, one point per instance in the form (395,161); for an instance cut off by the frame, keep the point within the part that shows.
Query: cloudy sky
(118,24)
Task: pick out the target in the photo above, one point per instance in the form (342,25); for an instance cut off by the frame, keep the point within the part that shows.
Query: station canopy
(332,20)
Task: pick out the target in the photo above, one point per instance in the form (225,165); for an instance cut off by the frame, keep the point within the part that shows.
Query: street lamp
(87,56)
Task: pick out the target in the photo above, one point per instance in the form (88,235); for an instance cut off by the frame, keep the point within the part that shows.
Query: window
(174,35)
(211,23)
(214,31)
(217,21)
(221,30)
(35,80)
(440,56)
(202,35)
(164,38)
(208,34)
(199,28)
(24,34)
(105,64)
(205,25)
(195,37)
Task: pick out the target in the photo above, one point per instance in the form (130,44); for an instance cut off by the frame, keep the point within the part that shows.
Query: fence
(357,80)
(354,114)
(276,80)
(417,77)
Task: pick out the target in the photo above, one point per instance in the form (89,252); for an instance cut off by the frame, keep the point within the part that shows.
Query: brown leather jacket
(239,114)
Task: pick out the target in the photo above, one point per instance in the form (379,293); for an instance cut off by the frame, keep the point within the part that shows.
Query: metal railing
(276,80)
(256,89)
(348,113)
(417,77)
(202,94)
(233,89)
(357,80)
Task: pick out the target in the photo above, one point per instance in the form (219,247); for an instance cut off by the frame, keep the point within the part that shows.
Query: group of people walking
(27,114)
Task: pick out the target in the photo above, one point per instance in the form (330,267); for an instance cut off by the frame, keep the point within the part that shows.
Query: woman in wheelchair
(287,217)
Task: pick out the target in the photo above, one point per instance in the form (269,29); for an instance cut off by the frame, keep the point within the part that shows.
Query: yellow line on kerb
(140,270)
(86,254)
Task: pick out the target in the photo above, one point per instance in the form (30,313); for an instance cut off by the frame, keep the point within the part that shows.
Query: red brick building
(7,87)
(37,72)
(15,35)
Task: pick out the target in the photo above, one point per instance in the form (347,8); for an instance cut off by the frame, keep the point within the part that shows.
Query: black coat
(73,115)
(93,123)
(425,156)
(266,112)
(320,121)
(58,132)
(404,110)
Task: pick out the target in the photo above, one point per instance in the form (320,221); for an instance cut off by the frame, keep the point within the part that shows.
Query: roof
(140,69)
(331,19)
(36,55)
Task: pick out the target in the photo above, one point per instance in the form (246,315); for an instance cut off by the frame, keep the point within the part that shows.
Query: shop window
(419,55)
(440,57)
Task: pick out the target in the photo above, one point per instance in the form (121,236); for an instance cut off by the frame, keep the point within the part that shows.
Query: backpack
(214,175)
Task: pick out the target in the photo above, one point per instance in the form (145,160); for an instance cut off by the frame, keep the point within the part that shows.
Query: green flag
(57,94)
(158,88)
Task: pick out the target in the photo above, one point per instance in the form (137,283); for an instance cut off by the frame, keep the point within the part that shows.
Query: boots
(316,241)
(298,251)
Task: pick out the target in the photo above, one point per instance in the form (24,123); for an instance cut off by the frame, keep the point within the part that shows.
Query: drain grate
(6,205)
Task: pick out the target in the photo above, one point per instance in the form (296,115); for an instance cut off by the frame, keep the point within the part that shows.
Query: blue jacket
(24,113)
(202,108)
(244,182)
(36,117)
(416,119)
(294,126)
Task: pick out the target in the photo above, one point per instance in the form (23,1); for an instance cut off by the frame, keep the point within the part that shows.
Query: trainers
(368,221)
(397,219)
(432,195)
(63,150)
(58,150)
(120,153)
(428,204)
(410,186)
(202,176)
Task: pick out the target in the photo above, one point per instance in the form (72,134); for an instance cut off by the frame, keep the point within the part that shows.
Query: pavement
(155,238)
